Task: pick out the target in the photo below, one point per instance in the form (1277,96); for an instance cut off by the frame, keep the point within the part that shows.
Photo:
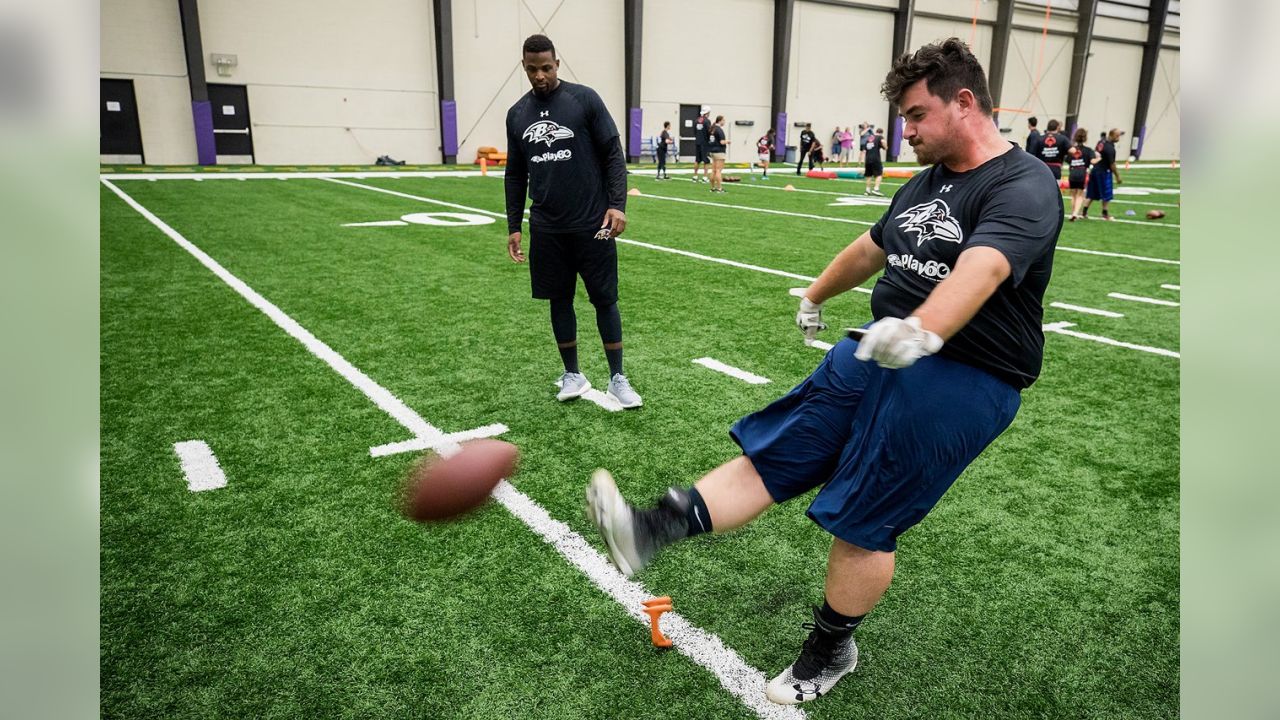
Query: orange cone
(789,187)
(654,607)
(484,166)
(634,191)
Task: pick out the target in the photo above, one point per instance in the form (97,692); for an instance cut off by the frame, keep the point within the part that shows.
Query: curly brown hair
(946,67)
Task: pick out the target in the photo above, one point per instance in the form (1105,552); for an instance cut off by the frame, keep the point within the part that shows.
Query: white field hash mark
(1141,299)
(425,433)
(200,466)
(731,371)
(1086,310)
(735,675)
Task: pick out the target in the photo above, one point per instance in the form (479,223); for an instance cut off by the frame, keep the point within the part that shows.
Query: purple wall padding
(206,149)
(780,140)
(449,127)
(1142,138)
(895,142)
(634,132)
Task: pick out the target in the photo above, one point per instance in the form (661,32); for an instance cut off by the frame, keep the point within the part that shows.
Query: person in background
(664,143)
(1033,135)
(1080,157)
(764,149)
(873,167)
(836,136)
(846,147)
(864,129)
(805,144)
(701,127)
(1052,146)
(1104,173)
(716,149)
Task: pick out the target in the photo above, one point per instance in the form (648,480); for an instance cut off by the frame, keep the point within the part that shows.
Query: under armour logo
(946,188)
(544,113)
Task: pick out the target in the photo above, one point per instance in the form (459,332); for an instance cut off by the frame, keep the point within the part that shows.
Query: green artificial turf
(1043,585)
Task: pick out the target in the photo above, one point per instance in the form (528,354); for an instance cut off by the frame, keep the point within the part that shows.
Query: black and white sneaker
(634,536)
(823,660)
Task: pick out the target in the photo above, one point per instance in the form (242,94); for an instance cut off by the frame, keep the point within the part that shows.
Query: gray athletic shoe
(821,664)
(620,390)
(616,521)
(572,385)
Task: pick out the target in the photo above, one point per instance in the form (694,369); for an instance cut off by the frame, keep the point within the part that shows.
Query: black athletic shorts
(1056,169)
(873,169)
(1076,180)
(700,154)
(557,259)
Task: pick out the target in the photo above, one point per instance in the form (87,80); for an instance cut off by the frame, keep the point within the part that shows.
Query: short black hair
(535,44)
(1032,121)
(946,67)
(1052,126)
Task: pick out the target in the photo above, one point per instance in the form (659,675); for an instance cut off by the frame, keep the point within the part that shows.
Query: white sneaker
(615,520)
(572,385)
(821,664)
(620,390)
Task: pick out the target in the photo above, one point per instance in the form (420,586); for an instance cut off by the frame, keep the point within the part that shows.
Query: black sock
(679,514)
(564,326)
(834,624)
(609,323)
(696,516)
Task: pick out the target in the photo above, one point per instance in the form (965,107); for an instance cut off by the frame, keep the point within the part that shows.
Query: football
(440,488)
(1155,214)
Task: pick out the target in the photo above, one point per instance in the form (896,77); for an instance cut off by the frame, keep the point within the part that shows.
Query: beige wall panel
(839,57)
(1119,28)
(677,71)
(1111,90)
(927,30)
(142,40)
(1172,38)
(1164,127)
(487,74)
(331,81)
(959,9)
(1048,98)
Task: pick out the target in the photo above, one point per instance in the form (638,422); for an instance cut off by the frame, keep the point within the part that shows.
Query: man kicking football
(886,424)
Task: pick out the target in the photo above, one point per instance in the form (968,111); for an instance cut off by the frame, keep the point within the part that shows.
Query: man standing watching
(887,423)
(701,135)
(805,147)
(563,150)
(1033,135)
(1104,173)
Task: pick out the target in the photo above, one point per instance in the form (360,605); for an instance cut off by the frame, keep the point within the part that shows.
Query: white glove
(895,343)
(809,319)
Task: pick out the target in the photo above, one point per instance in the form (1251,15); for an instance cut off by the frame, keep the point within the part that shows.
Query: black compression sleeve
(516,182)
(615,175)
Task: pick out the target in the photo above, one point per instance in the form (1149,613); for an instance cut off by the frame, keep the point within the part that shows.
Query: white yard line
(1119,255)
(1088,310)
(380,396)
(823,346)
(200,466)
(1172,287)
(1141,299)
(1061,329)
(748,208)
(735,675)
(731,371)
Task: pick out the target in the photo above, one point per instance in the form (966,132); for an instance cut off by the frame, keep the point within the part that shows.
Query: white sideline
(380,396)
(1061,329)
(731,371)
(1141,299)
(748,208)
(1172,287)
(1088,310)
(1120,255)
(200,466)
(743,681)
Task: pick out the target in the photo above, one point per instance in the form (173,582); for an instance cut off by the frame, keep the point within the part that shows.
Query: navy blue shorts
(1099,185)
(884,445)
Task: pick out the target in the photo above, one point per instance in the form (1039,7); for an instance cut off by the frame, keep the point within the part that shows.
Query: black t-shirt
(701,130)
(873,145)
(1033,141)
(563,148)
(1106,155)
(806,141)
(1052,147)
(1010,203)
(1078,158)
(715,139)
(663,139)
